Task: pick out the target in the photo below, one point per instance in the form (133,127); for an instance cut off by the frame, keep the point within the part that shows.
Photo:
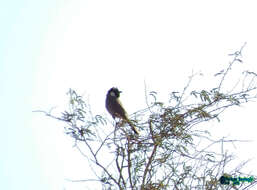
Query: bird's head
(114,92)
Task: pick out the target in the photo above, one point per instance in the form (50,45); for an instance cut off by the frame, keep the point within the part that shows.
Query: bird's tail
(133,127)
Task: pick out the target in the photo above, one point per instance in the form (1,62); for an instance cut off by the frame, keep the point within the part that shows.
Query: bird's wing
(120,111)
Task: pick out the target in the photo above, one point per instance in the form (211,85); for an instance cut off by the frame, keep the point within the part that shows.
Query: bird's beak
(120,91)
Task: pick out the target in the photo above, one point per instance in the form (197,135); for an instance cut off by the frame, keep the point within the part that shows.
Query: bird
(115,108)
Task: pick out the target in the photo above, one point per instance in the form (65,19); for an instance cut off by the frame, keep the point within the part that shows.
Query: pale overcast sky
(47,47)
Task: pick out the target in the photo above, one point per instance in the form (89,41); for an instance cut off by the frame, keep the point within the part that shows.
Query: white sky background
(47,47)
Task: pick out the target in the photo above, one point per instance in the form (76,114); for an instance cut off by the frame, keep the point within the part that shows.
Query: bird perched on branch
(115,108)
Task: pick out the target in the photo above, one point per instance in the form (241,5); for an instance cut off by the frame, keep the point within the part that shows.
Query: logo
(225,180)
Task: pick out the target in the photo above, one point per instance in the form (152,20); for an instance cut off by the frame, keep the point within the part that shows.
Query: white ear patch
(112,94)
